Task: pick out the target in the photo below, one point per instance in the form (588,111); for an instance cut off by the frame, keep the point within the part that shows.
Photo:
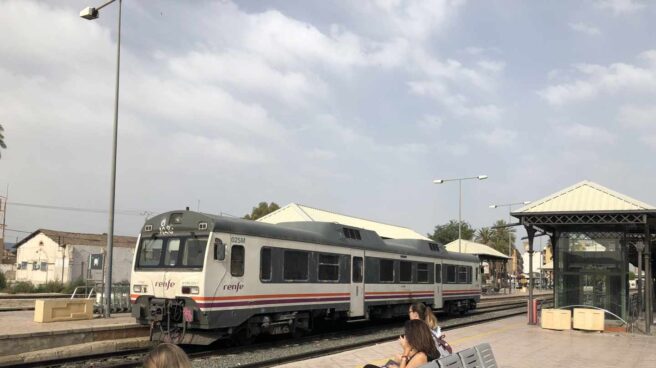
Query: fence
(120,297)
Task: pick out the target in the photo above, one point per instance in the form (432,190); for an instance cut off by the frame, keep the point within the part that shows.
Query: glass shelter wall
(591,269)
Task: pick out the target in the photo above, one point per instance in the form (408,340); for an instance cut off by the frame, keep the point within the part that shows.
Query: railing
(120,297)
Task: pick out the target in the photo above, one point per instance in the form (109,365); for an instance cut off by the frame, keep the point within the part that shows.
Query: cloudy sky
(350,106)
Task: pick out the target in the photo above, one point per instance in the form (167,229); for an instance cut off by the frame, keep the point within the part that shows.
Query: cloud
(587,133)
(498,137)
(621,7)
(595,80)
(457,104)
(637,116)
(585,29)
(430,122)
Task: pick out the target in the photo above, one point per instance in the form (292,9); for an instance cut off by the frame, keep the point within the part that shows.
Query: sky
(349,106)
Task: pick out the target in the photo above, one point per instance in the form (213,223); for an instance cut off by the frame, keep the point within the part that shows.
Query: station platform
(23,340)
(518,345)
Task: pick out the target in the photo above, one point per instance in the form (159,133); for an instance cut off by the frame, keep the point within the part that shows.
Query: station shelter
(596,233)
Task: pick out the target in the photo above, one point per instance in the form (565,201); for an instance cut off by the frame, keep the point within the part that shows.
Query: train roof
(327,233)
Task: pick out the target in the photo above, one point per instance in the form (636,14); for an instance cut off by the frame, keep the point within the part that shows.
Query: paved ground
(517,345)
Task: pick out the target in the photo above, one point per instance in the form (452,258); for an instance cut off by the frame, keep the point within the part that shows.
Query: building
(49,255)
(297,212)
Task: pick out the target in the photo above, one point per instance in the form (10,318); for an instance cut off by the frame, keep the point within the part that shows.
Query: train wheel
(242,337)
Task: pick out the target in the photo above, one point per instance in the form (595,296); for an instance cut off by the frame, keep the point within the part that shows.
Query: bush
(3,281)
(50,287)
(70,286)
(22,287)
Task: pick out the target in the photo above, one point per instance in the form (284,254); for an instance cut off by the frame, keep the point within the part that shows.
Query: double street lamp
(509,205)
(459,180)
(90,14)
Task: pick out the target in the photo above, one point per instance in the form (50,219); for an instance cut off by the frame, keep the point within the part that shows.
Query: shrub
(3,281)
(50,287)
(22,287)
(70,286)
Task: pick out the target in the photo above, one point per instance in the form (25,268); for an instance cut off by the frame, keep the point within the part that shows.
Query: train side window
(386,270)
(462,274)
(438,273)
(357,269)
(328,267)
(469,275)
(237,260)
(406,271)
(422,272)
(450,274)
(265,264)
(295,265)
(219,250)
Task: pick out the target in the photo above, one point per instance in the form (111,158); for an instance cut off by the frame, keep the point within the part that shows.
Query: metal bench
(480,356)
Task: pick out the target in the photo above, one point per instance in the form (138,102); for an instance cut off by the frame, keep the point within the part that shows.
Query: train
(199,277)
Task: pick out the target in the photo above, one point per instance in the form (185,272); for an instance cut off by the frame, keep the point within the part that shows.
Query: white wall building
(297,212)
(49,255)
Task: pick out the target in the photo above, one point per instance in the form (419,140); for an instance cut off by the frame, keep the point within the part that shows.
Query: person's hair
(167,355)
(425,314)
(419,337)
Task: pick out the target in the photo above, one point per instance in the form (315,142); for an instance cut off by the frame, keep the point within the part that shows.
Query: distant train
(198,277)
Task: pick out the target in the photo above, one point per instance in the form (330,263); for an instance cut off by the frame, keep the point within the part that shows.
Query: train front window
(150,252)
(179,252)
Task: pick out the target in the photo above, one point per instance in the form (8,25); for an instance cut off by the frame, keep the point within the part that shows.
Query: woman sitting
(417,344)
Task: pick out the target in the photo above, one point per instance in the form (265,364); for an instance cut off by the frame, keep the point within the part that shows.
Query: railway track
(278,351)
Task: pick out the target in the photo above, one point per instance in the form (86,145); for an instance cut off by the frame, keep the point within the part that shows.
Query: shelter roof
(585,196)
(297,212)
(479,249)
(68,238)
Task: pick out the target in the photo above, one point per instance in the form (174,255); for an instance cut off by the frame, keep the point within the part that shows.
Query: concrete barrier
(56,310)
(556,319)
(588,319)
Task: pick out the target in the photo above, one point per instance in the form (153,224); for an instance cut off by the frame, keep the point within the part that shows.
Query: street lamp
(459,180)
(90,14)
(509,205)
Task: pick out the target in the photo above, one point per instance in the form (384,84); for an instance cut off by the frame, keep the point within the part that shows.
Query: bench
(480,356)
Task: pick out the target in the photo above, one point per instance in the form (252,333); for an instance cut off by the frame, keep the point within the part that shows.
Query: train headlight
(140,288)
(190,290)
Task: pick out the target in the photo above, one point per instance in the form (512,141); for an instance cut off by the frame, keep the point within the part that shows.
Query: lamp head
(493,206)
(438,181)
(526,202)
(482,177)
(89,13)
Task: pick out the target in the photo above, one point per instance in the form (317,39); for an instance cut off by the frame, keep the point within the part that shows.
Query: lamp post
(90,14)
(509,205)
(459,180)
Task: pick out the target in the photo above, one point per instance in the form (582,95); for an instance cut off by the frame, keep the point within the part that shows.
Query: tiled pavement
(517,345)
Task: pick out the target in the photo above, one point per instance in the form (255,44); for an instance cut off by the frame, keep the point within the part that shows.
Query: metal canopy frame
(634,226)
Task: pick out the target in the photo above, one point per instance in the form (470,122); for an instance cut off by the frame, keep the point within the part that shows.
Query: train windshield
(174,252)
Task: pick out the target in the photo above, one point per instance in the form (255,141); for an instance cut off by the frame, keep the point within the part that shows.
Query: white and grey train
(198,277)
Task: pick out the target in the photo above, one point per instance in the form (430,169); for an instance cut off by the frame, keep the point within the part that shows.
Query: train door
(438,302)
(357,284)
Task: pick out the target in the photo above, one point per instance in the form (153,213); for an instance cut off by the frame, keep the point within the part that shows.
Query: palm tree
(485,236)
(2,139)
(500,236)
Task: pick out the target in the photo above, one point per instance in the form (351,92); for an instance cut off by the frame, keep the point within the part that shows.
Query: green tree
(261,210)
(500,232)
(485,235)
(447,233)
(2,139)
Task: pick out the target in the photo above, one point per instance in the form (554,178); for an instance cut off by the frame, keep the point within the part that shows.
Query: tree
(485,235)
(500,232)
(2,139)
(261,210)
(447,233)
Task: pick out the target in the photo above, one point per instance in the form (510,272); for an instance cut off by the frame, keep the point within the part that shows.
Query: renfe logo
(236,287)
(165,284)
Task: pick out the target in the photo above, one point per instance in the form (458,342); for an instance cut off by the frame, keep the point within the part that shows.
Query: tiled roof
(297,212)
(585,196)
(67,238)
